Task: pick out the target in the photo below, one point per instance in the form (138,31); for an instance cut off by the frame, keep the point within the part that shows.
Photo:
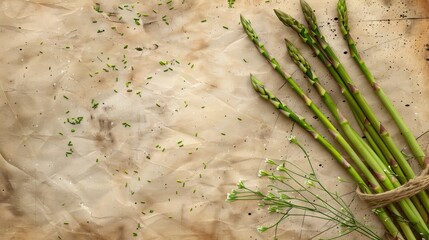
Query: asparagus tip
(342,17)
(309,15)
(257,85)
(242,19)
(284,17)
(306,9)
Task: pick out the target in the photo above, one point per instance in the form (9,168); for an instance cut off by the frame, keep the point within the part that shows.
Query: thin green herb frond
(294,192)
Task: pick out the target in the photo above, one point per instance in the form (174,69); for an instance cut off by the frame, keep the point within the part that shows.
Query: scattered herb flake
(75,121)
(94,104)
(231,3)
(97,8)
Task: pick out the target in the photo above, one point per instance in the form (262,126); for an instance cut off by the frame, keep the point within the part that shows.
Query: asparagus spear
(380,212)
(383,132)
(406,204)
(319,51)
(303,32)
(338,137)
(364,150)
(305,67)
(406,133)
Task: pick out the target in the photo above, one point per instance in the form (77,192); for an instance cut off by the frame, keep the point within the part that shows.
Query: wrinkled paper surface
(134,123)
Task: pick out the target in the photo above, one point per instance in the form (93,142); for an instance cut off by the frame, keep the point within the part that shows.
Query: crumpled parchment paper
(132,120)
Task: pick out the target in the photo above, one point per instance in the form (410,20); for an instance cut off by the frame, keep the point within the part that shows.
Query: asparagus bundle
(380,162)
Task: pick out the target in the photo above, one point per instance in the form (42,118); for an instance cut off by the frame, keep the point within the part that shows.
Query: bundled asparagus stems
(380,165)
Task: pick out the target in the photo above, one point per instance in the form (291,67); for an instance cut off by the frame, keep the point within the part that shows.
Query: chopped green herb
(231,3)
(97,8)
(94,104)
(75,121)
(126,124)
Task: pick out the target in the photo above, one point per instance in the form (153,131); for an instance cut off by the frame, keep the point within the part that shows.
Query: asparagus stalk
(383,132)
(364,150)
(406,205)
(338,137)
(305,36)
(303,32)
(380,212)
(305,67)
(406,133)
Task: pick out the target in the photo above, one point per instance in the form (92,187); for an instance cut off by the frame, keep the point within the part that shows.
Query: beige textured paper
(165,143)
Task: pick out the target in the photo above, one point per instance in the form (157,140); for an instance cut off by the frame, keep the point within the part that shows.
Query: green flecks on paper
(231,3)
(97,8)
(75,121)
(94,104)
